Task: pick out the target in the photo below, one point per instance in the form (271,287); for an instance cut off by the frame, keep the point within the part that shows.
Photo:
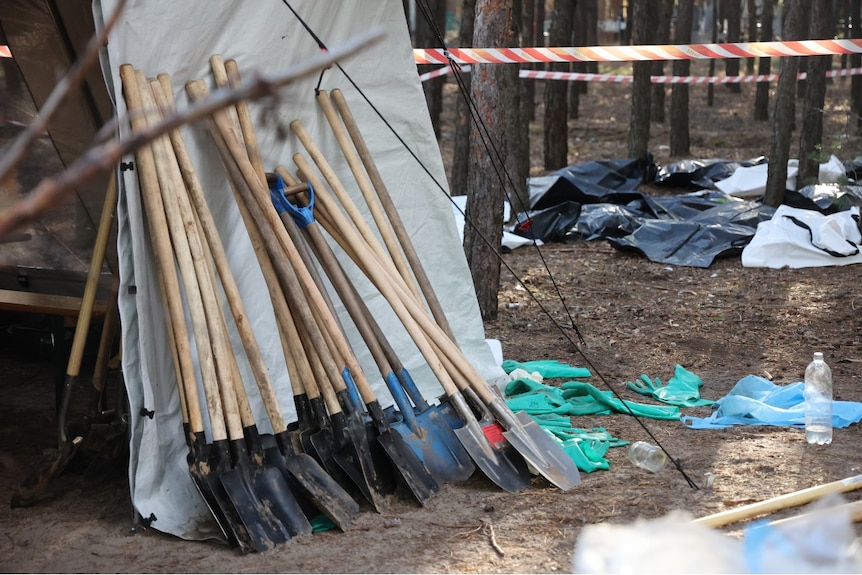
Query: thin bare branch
(73,78)
(103,157)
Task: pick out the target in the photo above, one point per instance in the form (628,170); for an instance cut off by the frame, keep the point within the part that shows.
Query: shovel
(299,469)
(347,427)
(52,464)
(431,439)
(408,463)
(505,472)
(205,466)
(250,488)
(542,452)
(407,459)
(394,218)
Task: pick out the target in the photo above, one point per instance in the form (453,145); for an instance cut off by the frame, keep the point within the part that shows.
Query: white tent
(178,38)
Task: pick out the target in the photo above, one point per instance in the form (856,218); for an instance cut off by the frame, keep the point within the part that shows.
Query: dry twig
(102,157)
(69,82)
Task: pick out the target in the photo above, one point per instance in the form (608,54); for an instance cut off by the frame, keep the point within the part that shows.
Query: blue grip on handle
(303,216)
(276,194)
(352,391)
(403,402)
(412,390)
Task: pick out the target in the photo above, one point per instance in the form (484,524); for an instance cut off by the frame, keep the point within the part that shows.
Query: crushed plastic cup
(647,456)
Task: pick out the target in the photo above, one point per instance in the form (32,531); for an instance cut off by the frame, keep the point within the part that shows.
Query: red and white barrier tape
(633,53)
(624,79)
(575,77)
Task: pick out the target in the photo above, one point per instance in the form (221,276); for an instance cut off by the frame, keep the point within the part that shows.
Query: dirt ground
(722,323)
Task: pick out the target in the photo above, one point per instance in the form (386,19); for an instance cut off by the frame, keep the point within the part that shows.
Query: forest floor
(637,317)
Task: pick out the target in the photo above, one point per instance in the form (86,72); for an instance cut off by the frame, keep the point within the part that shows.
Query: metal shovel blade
(407,462)
(210,469)
(429,436)
(198,469)
(46,469)
(273,488)
(264,529)
(321,444)
(324,492)
(437,446)
(499,461)
(417,478)
(353,455)
(542,452)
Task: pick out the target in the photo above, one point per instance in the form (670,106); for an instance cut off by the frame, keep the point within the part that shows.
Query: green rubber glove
(535,398)
(547,368)
(682,390)
(644,385)
(585,463)
(586,399)
(586,448)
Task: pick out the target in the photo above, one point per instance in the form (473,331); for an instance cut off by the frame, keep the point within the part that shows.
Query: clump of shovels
(343,446)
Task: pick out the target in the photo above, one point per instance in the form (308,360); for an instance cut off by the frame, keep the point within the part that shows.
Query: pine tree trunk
(556,130)
(855,62)
(591,15)
(716,24)
(785,104)
(734,30)
(638,144)
(578,39)
(752,34)
(484,214)
(661,35)
(764,66)
(820,26)
(426,37)
(680,139)
(527,89)
(461,153)
(517,140)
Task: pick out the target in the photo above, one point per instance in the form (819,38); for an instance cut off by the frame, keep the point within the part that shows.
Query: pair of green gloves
(552,407)
(572,397)
(683,389)
(586,447)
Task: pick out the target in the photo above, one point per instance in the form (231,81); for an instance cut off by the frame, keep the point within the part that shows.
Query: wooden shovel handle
(190,259)
(391,210)
(245,122)
(88,299)
(228,75)
(349,297)
(455,371)
(367,190)
(781,502)
(163,255)
(337,187)
(234,397)
(164,98)
(405,309)
(245,182)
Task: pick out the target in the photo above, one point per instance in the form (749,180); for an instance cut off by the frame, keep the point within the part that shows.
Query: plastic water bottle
(647,456)
(818,401)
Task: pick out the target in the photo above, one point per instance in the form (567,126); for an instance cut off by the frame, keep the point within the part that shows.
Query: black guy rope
(483,130)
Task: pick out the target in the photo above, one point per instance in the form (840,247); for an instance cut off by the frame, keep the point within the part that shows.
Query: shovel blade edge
(504,466)
(409,466)
(439,449)
(329,497)
(550,460)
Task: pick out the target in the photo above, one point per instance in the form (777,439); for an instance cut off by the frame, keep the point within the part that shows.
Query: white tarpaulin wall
(178,38)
